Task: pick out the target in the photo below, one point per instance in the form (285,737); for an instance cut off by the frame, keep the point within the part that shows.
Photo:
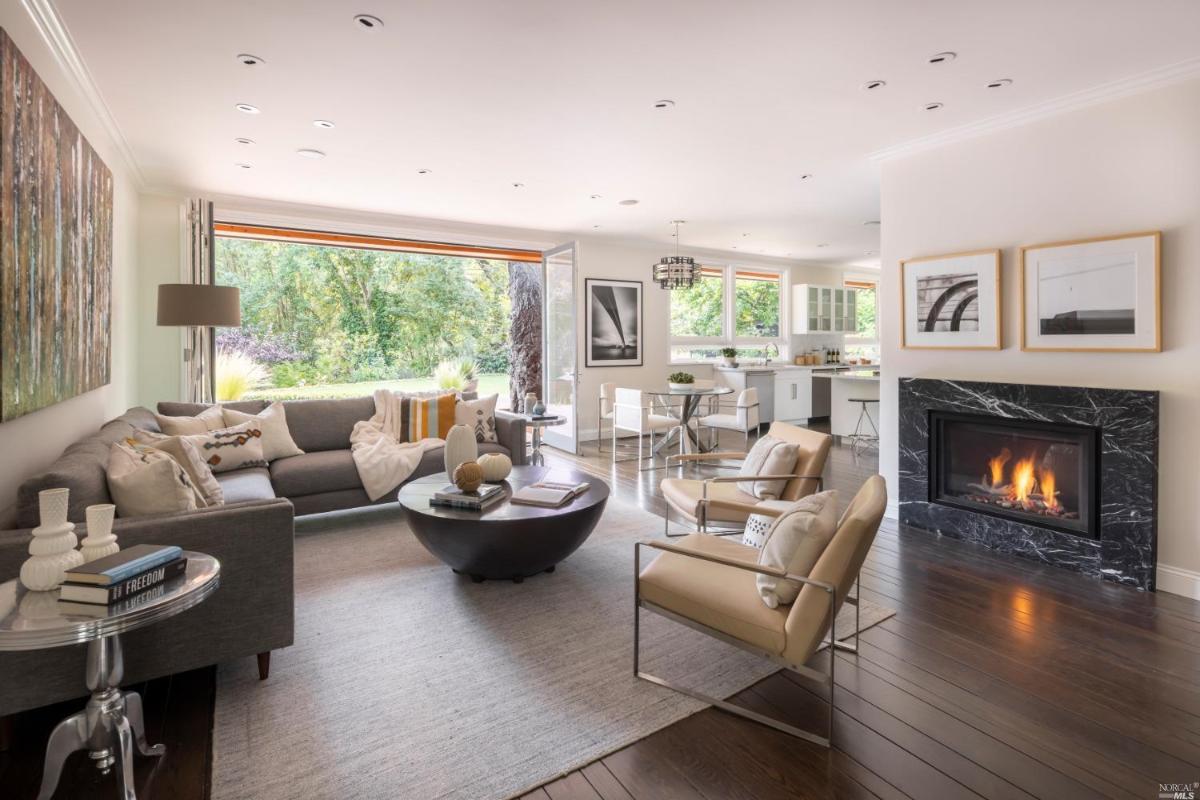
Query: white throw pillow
(187,456)
(755,532)
(210,419)
(277,439)
(769,456)
(794,543)
(144,480)
(479,415)
(237,447)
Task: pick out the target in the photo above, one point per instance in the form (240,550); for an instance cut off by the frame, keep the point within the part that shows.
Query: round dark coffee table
(505,541)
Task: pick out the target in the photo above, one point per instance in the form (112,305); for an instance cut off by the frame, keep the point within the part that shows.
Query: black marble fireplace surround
(1127,426)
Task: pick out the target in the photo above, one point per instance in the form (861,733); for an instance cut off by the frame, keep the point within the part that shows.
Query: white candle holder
(52,549)
(100,540)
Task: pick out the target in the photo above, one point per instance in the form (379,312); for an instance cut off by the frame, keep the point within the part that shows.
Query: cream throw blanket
(383,461)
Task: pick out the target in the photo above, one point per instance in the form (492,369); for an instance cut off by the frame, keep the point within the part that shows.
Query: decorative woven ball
(496,466)
(468,476)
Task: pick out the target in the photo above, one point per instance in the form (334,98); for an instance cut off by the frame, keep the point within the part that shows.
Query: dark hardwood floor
(997,678)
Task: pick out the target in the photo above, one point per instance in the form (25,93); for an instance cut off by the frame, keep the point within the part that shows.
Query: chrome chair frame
(826,679)
(705,503)
(639,457)
(714,435)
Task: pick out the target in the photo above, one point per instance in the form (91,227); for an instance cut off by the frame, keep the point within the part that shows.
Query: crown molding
(1135,84)
(48,22)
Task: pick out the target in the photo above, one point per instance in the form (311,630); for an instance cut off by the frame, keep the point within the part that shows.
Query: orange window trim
(299,236)
(860,285)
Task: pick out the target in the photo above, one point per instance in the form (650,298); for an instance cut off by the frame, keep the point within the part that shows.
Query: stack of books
(549,494)
(453,497)
(121,582)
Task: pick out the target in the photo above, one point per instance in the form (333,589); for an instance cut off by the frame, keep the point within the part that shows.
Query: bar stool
(860,439)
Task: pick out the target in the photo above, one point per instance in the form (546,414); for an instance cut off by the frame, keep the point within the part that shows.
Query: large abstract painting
(56,213)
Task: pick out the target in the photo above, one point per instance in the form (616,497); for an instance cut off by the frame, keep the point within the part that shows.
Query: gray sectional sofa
(251,535)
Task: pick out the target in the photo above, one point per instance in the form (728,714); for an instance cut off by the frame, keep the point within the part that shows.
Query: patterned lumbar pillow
(769,456)
(277,439)
(755,532)
(187,456)
(479,415)
(210,419)
(144,480)
(428,417)
(237,447)
(794,543)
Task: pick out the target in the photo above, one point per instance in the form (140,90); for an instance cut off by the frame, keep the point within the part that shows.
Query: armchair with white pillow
(784,465)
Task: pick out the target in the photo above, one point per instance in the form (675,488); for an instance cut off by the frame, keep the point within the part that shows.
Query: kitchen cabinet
(823,309)
(793,395)
(742,378)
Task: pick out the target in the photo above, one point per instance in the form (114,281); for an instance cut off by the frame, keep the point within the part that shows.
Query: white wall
(29,443)
(1129,165)
(160,246)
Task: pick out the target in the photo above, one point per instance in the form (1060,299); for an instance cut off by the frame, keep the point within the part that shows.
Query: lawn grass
(488,384)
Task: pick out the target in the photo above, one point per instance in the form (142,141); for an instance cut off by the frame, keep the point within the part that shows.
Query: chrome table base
(108,726)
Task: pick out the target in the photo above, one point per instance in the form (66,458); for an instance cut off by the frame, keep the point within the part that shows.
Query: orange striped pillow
(430,416)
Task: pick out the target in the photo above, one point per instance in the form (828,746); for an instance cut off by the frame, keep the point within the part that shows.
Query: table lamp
(199,307)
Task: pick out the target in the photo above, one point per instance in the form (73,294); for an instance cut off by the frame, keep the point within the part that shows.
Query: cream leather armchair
(708,583)
(701,501)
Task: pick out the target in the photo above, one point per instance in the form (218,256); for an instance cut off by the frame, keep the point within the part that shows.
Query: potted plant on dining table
(681,380)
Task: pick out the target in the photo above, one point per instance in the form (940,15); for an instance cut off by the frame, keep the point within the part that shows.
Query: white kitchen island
(843,414)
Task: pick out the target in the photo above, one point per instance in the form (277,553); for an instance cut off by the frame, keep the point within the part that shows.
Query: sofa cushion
(318,425)
(82,468)
(171,408)
(240,485)
(314,473)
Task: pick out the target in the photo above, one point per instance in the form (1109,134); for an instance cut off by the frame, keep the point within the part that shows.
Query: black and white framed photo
(614,323)
(951,302)
(1098,295)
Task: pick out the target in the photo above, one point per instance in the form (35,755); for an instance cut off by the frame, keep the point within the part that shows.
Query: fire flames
(1026,486)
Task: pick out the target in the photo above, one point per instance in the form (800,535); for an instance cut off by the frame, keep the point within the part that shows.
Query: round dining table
(691,398)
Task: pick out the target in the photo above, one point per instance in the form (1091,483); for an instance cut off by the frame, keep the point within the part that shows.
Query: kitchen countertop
(856,375)
(782,367)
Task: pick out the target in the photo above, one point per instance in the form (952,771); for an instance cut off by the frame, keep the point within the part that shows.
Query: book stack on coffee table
(453,497)
(122,581)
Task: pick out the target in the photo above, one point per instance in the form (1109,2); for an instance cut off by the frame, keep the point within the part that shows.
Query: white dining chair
(604,409)
(632,413)
(743,419)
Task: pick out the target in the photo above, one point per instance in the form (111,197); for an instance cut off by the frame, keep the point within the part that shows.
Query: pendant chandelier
(676,272)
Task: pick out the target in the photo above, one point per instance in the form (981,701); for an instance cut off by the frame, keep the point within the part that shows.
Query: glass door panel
(559,347)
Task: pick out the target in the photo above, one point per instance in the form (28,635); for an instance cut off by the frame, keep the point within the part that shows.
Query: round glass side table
(111,723)
(535,446)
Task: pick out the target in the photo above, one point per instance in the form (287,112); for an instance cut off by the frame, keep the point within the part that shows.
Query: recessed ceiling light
(424,171)
(932,106)
(249,60)
(243,140)
(518,186)
(745,234)
(630,202)
(246,108)
(823,245)
(869,253)
(872,85)
(999,83)
(322,123)
(596,196)
(308,152)
(942,58)
(243,165)
(368,22)
(805,176)
(595,226)
(871,222)
(664,104)
(734,246)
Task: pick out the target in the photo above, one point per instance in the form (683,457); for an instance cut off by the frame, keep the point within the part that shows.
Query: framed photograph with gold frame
(951,302)
(1093,295)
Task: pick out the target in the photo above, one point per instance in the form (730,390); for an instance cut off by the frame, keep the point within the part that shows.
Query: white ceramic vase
(52,549)
(100,540)
(496,466)
(460,447)
(529,402)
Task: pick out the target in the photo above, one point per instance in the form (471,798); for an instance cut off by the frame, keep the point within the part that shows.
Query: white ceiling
(558,95)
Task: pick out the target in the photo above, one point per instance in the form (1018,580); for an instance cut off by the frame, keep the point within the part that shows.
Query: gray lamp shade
(199,304)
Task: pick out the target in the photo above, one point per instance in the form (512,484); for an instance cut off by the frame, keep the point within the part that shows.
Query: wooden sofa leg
(264,665)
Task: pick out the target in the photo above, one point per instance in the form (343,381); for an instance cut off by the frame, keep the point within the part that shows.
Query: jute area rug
(408,681)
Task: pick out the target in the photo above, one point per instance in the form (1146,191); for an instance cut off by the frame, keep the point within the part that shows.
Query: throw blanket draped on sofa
(382,460)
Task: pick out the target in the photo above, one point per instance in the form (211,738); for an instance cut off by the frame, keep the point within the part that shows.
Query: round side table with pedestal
(535,426)
(111,723)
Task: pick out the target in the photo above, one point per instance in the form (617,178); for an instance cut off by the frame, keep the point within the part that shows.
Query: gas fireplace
(1038,473)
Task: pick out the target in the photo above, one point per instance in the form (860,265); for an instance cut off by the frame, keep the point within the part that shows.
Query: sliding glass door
(559,361)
